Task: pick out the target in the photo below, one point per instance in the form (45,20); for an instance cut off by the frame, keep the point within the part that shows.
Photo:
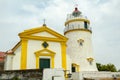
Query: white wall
(69,62)
(12,62)
(8,62)
(79,54)
(35,45)
(57,74)
(56,47)
(17,59)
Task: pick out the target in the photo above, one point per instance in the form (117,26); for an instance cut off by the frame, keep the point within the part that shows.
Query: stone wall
(96,75)
(31,74)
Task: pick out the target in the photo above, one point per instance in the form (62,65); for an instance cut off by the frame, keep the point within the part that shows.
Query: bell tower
(79,44)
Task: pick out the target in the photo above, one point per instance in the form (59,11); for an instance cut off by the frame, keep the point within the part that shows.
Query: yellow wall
(24,54)
(63,52)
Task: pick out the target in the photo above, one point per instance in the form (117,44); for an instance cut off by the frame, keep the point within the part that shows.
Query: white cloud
(30,8)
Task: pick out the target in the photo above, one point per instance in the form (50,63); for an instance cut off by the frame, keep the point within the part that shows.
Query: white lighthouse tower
(79,44)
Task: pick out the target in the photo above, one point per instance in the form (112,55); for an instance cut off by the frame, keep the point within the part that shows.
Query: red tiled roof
(2,56)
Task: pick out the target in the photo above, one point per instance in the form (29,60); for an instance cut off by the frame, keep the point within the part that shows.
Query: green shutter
(44,63)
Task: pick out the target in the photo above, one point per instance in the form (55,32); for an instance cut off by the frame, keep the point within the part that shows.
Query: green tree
(99,66)
(106,67)
(118,70)
(15,78)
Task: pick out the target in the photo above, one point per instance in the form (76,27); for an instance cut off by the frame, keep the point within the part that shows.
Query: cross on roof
(44,22)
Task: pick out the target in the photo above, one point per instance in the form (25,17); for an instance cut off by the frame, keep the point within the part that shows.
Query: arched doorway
(75,68)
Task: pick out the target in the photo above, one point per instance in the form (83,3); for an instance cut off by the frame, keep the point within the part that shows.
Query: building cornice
(16,46)
(77,30)
(41,29)
(43,38)
(74,20)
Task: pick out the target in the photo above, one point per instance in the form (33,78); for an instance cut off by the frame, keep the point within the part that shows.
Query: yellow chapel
(38,48)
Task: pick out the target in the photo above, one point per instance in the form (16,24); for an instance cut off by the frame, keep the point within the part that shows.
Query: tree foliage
(119,70)
(15,78)
(106,67)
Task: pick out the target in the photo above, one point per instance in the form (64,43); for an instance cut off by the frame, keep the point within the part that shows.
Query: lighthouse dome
(76,12)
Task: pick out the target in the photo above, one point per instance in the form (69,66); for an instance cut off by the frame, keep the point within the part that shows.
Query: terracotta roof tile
(2,54)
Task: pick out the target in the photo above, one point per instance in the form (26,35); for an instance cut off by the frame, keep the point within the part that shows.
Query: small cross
(44,22)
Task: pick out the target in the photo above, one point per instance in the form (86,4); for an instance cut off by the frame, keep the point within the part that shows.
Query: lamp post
(67,75)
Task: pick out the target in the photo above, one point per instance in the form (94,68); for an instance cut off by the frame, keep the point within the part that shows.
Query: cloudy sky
(18,15)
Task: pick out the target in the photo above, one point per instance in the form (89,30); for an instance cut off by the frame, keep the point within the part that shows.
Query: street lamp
(67,75)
